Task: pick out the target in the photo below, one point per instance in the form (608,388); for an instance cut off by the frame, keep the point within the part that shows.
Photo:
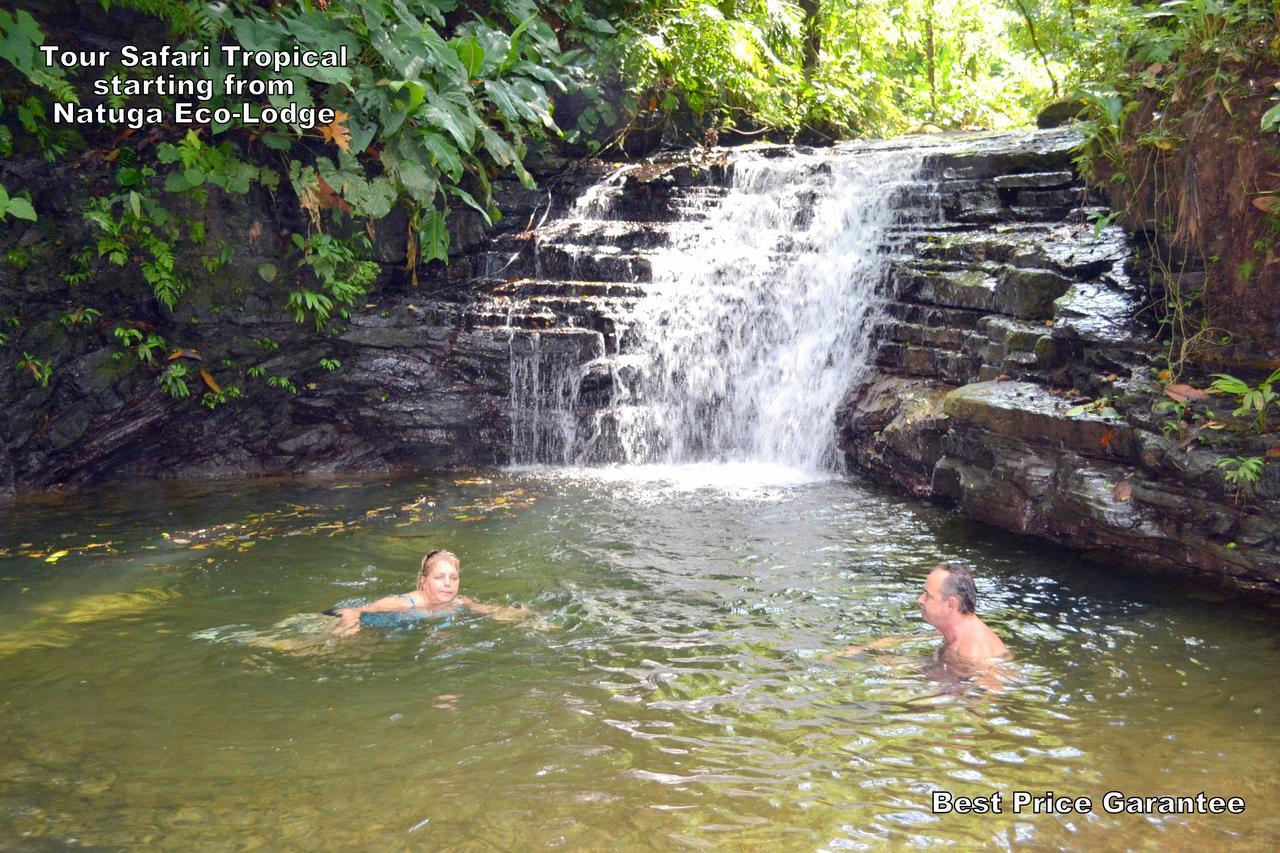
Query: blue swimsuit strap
(413,605)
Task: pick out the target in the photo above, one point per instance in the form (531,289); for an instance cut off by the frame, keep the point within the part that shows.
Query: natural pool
(158,689)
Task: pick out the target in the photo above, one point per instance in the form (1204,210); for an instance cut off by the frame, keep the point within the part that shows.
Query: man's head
(949,593)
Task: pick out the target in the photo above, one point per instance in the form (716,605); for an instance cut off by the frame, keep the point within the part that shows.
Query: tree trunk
(812,34)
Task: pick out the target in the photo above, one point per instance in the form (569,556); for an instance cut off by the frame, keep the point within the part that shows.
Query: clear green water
(163,692)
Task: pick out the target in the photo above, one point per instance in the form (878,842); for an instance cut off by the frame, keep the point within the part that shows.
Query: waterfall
(758,316)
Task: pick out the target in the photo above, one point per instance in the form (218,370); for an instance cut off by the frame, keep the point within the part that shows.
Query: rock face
(1010,349)
(1003,357)
(409,382)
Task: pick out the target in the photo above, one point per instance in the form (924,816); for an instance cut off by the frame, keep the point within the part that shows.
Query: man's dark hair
(959,582)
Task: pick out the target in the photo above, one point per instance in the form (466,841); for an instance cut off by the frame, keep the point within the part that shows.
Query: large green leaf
(362,133)
(1271,118)
(507,102)
(506,155)
(470,53)
(418,182)
(446,156)
(21,35)
(258,35)
(459,193)
(434,237)
(413,92)
(447,116)
(406,63)
(318,31)
(441,55)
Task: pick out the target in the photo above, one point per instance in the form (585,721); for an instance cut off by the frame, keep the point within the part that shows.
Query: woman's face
(440,585)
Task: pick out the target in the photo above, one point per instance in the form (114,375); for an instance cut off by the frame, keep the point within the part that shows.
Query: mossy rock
(1060,113)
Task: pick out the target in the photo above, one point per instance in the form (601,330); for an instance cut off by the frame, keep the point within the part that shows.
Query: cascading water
(756,320)
(755,329)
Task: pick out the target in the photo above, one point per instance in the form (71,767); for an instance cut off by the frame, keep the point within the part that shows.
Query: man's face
(935,609)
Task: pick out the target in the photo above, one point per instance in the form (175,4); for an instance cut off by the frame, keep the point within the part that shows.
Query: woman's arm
(508,614)
(350,616)
(497,611)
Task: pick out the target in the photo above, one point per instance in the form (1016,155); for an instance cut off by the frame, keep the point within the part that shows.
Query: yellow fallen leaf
(337,132)
(208,380)
(56,556)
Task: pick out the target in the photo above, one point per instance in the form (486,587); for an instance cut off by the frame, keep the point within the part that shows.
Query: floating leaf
(1123,491)
(185,353)
(56,556)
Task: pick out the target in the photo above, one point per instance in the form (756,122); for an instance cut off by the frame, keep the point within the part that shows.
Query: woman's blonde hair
(429,562)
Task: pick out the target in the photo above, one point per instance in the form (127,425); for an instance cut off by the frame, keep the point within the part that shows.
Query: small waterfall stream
(757,317)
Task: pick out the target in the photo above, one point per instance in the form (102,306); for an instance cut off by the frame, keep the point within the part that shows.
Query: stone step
(934,362)
(974,290)
(528,287)
(919,265)
(983,245)
(651,203)
(602,264)
(934,315)
(620,234)
(941,337)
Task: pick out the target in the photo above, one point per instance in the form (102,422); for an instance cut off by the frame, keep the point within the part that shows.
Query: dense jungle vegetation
(440,98)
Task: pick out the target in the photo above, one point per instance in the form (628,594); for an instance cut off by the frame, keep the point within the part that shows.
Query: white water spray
(755,324)
(755,330)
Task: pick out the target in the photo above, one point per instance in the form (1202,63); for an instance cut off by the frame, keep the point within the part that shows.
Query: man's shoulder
(981,643)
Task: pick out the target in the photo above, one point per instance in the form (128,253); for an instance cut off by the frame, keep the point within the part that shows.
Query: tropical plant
(1242,473)
(1252,399)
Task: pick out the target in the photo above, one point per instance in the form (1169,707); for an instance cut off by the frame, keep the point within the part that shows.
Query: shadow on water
(166,679)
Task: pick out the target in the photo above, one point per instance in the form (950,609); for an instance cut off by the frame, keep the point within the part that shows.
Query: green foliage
(330,364)
(79,317)
(836,68)
(1253,400)
(39,369)
(141,233)
(17,206)
(213,399)
(1103,407)
(342,277)
(173,381)
(282,382)
(1242,472)
(20,35)
(1155,65)
(1271,118)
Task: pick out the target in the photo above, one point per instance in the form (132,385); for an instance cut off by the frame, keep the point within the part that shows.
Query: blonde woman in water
(436,595)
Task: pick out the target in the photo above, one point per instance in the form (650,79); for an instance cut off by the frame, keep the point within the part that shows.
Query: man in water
(949,603)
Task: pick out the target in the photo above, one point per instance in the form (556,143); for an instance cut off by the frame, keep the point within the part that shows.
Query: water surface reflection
(162,687)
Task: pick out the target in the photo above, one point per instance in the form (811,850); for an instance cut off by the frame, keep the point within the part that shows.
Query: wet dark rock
(1047,308)
(1028,293)
(1007,320)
